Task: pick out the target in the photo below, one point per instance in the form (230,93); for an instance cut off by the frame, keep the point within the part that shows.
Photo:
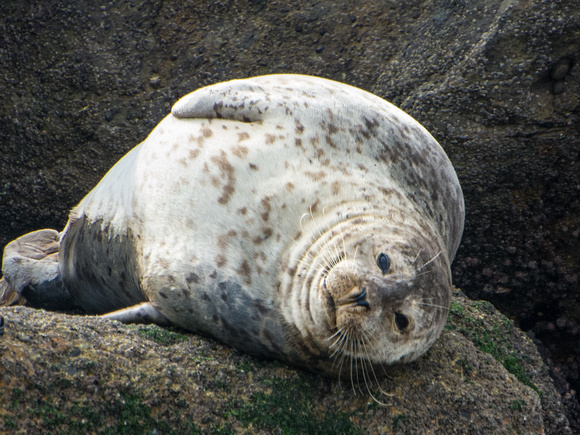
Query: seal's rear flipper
(142,313)
(31,273)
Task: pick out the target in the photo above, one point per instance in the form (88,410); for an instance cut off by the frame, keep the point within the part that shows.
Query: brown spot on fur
(315,176)
(270,139)
(240,151)
(242,211)
(246,271)
(267,208)
(215,181)
(387,192)
(220,260)
(289,186)
(253,167)
(330,142)
(336,187)
(227,171)
(223,239)
(314,206)
(298,142)
(243,136)
(206,132)
(314,140)
(193,154)
(332,129)
(266,233)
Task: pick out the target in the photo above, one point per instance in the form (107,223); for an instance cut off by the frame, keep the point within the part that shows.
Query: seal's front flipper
(31,273)
(142,313)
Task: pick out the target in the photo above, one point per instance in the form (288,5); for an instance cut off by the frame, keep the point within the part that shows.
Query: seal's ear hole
(383,262)
(401,321)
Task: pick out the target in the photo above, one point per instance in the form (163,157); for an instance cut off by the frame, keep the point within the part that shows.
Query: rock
(63,373)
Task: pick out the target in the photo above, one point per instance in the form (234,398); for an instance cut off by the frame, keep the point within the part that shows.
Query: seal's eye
(401,321)
(383,262)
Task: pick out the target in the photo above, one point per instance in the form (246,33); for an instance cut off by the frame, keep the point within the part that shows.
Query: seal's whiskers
(346,346)
(429,262)
(433,305)
(343,356)
(423,273)
(352,358)
(372,368)
(418,253)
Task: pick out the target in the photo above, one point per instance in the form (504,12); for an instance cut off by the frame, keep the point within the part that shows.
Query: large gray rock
(495,81)
(72,374)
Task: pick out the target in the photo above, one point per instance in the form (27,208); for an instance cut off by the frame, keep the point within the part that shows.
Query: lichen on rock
(72,373)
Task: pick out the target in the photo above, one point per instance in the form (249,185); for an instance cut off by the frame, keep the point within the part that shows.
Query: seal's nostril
(361,299)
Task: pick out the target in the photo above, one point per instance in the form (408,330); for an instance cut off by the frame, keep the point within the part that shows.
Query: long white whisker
(340,367)
(367,373)
(301,219)
(429,262)
(355,347)
(334,335)
(374,373)
(423,273)
(433,305)
(340,342)
(418,253)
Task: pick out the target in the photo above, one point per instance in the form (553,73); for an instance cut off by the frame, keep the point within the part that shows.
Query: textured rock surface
(495,81)
(64,373)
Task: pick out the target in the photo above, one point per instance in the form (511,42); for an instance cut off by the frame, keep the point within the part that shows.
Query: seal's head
(387,301)
(380,293)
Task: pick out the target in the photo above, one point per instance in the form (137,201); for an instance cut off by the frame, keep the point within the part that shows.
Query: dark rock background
(496,82)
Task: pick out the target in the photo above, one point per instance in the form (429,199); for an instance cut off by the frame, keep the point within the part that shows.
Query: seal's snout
(361,299)
(357,297)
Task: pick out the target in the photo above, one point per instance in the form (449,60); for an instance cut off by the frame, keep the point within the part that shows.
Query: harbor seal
(288,216)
